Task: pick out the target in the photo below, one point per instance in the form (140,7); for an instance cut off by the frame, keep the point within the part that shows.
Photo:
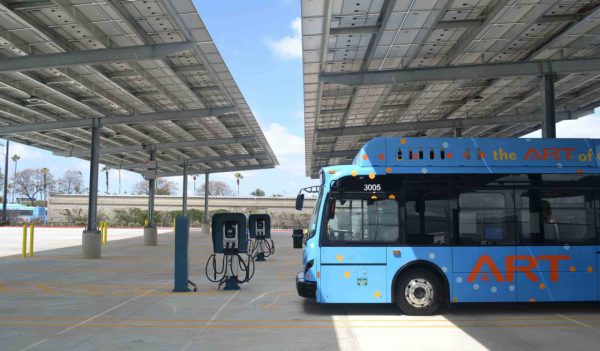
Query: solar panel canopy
(147,71)
(440,68)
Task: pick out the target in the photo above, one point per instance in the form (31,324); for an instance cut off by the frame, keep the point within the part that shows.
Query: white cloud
(584,127)
(28,153)
(288,147)
(288,47)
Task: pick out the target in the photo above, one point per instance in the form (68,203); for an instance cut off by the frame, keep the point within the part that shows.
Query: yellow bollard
(31,228)
(105,236)
(24,240)
(145,223)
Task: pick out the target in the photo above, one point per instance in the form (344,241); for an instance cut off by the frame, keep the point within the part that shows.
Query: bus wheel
(419,292)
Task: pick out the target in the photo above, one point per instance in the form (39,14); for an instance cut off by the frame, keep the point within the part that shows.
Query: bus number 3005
(372,187)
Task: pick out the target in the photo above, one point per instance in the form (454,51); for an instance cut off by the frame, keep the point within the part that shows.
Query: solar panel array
(364,36)
(192,79)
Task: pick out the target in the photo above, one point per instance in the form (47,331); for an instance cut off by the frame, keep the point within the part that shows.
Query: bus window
(556,216)
(427,217)
(362,220)
(312,227)
(486,217)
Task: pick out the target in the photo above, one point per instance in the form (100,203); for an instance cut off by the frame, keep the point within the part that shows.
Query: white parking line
(94,317)
(574,321)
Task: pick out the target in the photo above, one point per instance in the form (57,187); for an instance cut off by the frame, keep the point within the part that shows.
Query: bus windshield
(364,220)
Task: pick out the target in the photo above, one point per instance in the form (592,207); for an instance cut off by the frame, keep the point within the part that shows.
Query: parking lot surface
(124,301)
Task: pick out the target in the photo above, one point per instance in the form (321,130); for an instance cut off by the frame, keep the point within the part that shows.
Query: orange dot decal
(377,294)
(392,197)
(532,299)
(482,155)
(415,156)
(572,269)
(339,258)
(354,173)
(365,157)
(542,286)
(590,269)
(455,299)
(388,170)
(381,157)
(372,175)
(346,275)
(449,155)
(373,197)
(403,141)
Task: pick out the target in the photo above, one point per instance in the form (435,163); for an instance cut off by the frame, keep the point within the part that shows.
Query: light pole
(5,193)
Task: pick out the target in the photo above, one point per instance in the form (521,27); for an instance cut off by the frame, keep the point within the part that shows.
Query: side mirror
(299,202)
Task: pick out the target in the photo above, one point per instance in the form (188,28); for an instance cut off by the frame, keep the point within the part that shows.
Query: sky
(260,42)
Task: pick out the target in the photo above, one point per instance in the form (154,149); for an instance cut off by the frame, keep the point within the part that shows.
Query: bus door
(353,251)
(558,244)
(483,240)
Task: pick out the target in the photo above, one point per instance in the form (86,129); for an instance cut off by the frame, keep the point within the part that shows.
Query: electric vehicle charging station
(261,245)
(229,240)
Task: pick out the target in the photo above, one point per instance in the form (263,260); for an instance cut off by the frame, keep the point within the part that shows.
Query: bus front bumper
(305,288)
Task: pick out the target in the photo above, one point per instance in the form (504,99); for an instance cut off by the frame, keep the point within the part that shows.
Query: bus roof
(493,154)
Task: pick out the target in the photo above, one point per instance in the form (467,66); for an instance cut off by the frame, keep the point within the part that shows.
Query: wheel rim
(419,293)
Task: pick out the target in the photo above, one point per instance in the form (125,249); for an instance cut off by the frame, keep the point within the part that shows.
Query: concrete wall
(57,204)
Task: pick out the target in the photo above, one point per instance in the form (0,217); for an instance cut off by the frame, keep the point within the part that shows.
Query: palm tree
(238,176)
(15,158)
(194,178)
(105,169)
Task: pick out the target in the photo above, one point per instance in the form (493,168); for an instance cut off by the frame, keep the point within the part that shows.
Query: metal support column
(150,233)
(205,226)
(5,193)
(548,107)
(458,132)
(185,188)
(91,243)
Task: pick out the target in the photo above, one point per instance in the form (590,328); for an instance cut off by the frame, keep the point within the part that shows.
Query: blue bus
(19,213)
(420,222)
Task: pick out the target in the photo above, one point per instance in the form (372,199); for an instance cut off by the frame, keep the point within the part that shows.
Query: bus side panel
(398,257)
(480,274)
(556,273)
(352,254)
(351,274)
(353,284)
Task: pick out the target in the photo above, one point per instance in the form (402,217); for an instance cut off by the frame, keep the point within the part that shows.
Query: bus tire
(419,292)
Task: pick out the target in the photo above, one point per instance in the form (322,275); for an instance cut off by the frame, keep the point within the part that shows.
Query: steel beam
(93,188)
(151,192)
(206,191)
(222,158)
(92,57)
(451,73)
(157,147)
(548,107)
(449,123)
(214,170)
(110,120)
(354,30)
(91,247)
(453,24)
(336,154)
(185,189)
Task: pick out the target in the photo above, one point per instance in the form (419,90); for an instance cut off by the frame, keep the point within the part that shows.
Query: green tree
(258,193)
(238,176)
(106,169)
